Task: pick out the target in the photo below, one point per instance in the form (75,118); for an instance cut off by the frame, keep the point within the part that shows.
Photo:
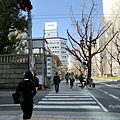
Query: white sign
(50,25)
(49,66)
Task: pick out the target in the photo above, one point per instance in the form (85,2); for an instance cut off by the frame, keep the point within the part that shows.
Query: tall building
(51,29)
(55,43)
(111,11)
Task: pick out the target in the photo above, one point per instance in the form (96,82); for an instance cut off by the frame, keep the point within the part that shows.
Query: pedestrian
(67,77)
(81,78)
(27,87)
(36,80)
(72,80)
(56,80)
(82,81)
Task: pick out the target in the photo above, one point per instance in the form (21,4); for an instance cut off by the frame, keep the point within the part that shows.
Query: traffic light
(84,64)
(24,5)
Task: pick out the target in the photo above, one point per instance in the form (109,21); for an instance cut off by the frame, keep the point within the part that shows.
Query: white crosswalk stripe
(68,100)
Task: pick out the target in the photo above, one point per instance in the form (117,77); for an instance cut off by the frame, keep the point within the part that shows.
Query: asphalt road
(108,94)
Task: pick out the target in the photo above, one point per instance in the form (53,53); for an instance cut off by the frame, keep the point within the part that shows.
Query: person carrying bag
(28,91)
(18,96)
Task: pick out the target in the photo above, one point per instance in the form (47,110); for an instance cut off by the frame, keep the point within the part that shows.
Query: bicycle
(88,84)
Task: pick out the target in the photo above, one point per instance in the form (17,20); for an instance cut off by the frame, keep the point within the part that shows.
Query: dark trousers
(27,108)
(71,84)
(57,88)
(66,80)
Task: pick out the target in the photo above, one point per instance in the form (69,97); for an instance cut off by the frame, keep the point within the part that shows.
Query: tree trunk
(89,63)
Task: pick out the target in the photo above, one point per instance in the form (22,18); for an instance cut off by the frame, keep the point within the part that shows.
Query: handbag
(18,97)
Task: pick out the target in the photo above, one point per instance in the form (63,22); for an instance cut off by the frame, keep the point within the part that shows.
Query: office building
(55,43)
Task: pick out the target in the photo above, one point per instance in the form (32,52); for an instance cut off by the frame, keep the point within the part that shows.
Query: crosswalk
(69,100)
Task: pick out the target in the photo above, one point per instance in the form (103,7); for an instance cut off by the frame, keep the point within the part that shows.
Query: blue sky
(55,11)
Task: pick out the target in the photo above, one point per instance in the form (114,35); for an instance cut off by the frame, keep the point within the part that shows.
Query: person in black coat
(27,87)
(82,81)
(72,80)
(56,81)
(67,77)
(81,78)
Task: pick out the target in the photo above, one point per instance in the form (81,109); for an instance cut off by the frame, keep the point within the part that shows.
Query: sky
(55,11)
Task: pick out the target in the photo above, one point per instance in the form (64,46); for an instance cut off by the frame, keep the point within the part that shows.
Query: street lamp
(94,42)
(81,42)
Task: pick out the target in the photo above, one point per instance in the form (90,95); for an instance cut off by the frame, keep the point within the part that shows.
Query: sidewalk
(60,115)
(73,116)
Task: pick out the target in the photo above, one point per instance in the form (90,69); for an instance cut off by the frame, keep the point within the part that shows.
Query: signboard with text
(51,26)
(49,65)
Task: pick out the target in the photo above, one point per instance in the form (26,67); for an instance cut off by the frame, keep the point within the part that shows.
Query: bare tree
(88,34)
(78,67)
(116,50)
(110,62)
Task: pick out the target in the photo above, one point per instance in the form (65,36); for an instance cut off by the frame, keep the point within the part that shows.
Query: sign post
(49,70)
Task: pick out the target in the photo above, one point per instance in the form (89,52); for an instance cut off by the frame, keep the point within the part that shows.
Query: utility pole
(26,6)
(30,43)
